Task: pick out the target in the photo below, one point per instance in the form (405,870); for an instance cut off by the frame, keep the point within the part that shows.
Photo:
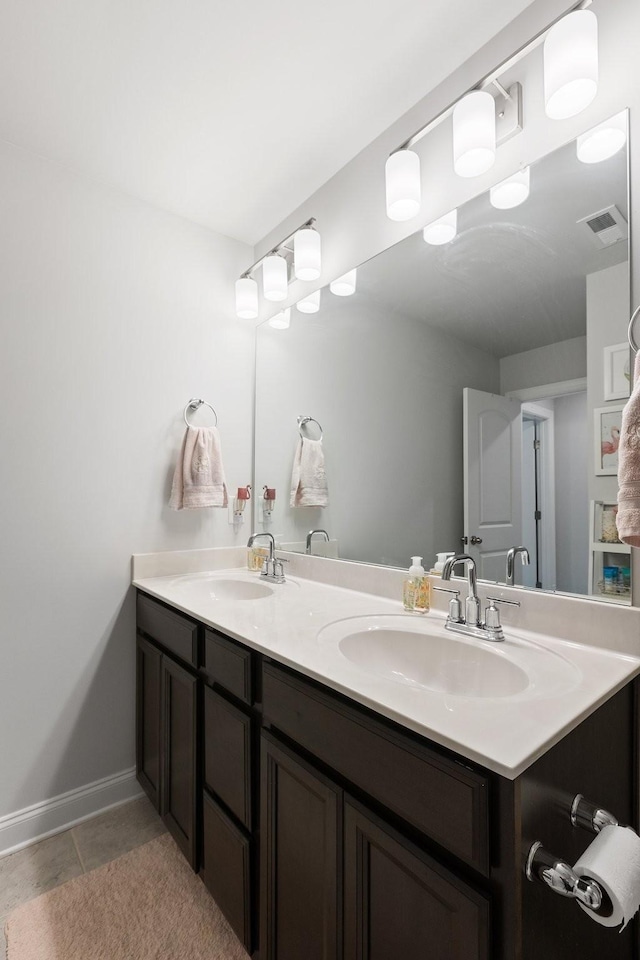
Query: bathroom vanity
(326,824)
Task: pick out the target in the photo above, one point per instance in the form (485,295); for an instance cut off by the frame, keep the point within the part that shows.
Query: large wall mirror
(469,392)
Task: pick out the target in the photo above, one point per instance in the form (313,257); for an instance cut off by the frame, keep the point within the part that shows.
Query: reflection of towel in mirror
(628,518)
(199,480)
(309,480)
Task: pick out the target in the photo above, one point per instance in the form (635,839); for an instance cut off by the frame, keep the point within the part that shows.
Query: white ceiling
(228,114)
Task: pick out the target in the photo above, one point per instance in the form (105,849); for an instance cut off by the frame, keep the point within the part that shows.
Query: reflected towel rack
(195,404)
(304,420)
(632,340)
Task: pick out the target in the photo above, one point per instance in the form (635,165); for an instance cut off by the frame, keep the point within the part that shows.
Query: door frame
(547,557)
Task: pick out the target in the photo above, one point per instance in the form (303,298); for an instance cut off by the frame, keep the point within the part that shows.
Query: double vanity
(352,781)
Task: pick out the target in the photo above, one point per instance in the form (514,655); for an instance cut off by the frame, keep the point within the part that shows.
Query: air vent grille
(606,227)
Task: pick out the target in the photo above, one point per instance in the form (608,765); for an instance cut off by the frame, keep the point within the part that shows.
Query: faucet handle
(492,614)
(455,609)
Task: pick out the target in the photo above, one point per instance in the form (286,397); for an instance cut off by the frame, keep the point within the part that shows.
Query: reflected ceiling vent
(606,227)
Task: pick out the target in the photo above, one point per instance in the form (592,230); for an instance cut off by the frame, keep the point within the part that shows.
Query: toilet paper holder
(559,875)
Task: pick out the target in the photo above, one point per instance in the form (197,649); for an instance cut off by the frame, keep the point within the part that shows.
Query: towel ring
(632,340)
(304,420)
(194,404)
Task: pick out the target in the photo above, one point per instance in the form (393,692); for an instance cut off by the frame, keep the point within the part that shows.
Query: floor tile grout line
(77,849)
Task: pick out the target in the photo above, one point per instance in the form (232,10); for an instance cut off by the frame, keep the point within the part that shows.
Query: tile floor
(45,865)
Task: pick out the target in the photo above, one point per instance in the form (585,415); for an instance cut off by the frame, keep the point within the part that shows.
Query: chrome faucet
(273,567)
(511,562)
(311,534)
(470,624)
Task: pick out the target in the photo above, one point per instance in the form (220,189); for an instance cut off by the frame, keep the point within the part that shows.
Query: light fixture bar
(490,78)
(279,247)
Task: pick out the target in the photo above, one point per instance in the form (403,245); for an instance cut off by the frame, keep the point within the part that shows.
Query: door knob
(475,540)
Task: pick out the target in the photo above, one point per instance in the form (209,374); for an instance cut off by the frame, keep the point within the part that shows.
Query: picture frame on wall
(607,426)
(617,371)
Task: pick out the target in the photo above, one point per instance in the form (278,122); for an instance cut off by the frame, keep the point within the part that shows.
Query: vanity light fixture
(402,179)
(474,134)
(345,285)
(511,192)
(310,304)
(282,320)
(571,65)
(603,141)
(442,230)
(277,269)
(275,278)
(247,298)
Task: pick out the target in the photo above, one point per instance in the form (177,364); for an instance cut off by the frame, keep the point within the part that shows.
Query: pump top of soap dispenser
(416,569)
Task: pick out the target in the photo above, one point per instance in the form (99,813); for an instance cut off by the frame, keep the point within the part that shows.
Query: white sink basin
(422,654)
(208,586)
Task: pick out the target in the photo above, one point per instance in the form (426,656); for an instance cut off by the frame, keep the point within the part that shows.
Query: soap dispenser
(416,592)
(441,559)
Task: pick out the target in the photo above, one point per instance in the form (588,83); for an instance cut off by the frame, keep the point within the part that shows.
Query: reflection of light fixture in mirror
(274,277)
(345,285)
(474,134)
(604,140)
(306,254)
(402,176)
(511,192)
(246,298)
(310,304)
(571,65)
(442,230)
(281,320)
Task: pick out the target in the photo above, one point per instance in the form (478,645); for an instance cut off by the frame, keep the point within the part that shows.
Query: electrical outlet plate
(235,519)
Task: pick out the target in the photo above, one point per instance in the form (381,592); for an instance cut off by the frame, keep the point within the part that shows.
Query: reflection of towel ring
(632,340)
(193,404)
(304,420)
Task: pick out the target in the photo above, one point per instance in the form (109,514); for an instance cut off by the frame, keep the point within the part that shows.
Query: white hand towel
(309,479)
(199,480)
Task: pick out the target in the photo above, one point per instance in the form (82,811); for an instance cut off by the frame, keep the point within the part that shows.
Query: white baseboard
(41,820)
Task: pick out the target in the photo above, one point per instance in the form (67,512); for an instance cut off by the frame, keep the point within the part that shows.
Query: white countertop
(505,735)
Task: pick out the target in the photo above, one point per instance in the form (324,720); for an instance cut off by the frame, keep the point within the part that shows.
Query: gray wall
(536,368)
(572,466)
(114,314)
(388,393)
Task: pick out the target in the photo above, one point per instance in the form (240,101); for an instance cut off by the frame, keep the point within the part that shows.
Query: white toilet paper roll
(613,859)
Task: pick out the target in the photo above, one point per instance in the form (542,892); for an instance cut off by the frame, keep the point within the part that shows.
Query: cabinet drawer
(226,869)
(228,664)
(443,799)
(227,754)
(177,633)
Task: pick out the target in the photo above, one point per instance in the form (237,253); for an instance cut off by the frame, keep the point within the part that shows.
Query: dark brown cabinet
(326,832)
(167,722)
(400,903)
(300,862)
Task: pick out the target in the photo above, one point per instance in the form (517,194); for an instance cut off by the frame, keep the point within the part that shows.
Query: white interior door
(492,479)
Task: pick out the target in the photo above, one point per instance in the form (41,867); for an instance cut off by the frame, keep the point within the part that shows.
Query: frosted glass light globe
(402,178)
(442,230)
(307,258)
(246,298)
(511,192)
(310,304)
(282,320)
(345,285)
(571,65)
(603,141)
(274,278)
(474,134)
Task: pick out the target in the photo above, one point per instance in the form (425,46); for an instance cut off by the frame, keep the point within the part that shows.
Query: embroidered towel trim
(628,517)
(199,479)
(309,479)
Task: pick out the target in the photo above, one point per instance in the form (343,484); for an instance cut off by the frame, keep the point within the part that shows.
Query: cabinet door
(299,859)
(226,869)
(227,754)
(148,726)
(400,903)
(179,756)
